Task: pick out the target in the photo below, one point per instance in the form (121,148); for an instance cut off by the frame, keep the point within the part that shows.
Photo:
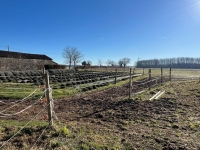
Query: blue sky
(102,29)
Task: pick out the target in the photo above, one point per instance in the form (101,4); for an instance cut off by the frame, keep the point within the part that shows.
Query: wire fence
(17,108)
(149,80)
(155,77)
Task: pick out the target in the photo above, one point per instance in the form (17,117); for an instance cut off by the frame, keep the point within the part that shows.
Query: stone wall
(18,64)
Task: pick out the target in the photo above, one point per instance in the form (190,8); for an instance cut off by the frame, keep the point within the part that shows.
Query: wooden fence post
(149,79)
(161,76)
(130,85)
(170,74)
(143,72)
(43,70)
(115,76)
(49,99)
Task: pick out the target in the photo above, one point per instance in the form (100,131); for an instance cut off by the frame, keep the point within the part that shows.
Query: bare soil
(170,123)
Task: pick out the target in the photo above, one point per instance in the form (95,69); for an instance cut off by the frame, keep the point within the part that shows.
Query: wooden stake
(43,70)
(130,85)
(115,76)
(170,74)
(161,79)
(49,99)
(149,79)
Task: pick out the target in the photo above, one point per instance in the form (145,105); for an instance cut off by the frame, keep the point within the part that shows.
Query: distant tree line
(180,62)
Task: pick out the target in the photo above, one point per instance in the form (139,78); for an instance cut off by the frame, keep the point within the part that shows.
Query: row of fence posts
(149,78)
(48,94)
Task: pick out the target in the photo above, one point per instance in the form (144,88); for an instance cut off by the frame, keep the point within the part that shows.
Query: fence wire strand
(22,109)
(23,127)
(20,101)
(40,135)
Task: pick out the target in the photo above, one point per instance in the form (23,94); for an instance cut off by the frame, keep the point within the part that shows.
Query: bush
(8,73)
(64,131)
(2,73)
(62,86)
(84,89)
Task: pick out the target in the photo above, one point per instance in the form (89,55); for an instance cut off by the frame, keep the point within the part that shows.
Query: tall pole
(49,99)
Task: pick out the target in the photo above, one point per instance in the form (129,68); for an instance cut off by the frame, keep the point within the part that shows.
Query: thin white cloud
(161,37)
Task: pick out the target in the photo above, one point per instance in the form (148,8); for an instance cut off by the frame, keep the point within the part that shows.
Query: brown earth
(170,123)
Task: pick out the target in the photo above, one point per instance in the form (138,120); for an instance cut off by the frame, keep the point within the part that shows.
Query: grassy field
(20,90)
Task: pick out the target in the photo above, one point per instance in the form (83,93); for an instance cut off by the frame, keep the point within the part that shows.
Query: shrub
(68,83)
(90,88)
(2,73)
(84,89)
(64,131)
(62,86)
(8,73)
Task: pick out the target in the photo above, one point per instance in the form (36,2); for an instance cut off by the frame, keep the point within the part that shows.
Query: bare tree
(108,62)
(71,55)
(100,62)
(124,62)
(111,63)
(76,56)
(89,63)
(120,62)
(67,55)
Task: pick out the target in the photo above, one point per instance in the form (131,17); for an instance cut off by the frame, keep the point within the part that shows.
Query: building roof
(9,54)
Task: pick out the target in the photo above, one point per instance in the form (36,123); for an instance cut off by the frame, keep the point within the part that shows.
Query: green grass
(8,123)
(64,136)
(19,91)
(174,72)
(79,135)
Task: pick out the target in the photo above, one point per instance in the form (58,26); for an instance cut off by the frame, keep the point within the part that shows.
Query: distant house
(12,61)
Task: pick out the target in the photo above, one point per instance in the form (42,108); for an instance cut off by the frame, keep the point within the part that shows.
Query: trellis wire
(20,101)
(23,127)
(145,82)
(41,134)
(23,109)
